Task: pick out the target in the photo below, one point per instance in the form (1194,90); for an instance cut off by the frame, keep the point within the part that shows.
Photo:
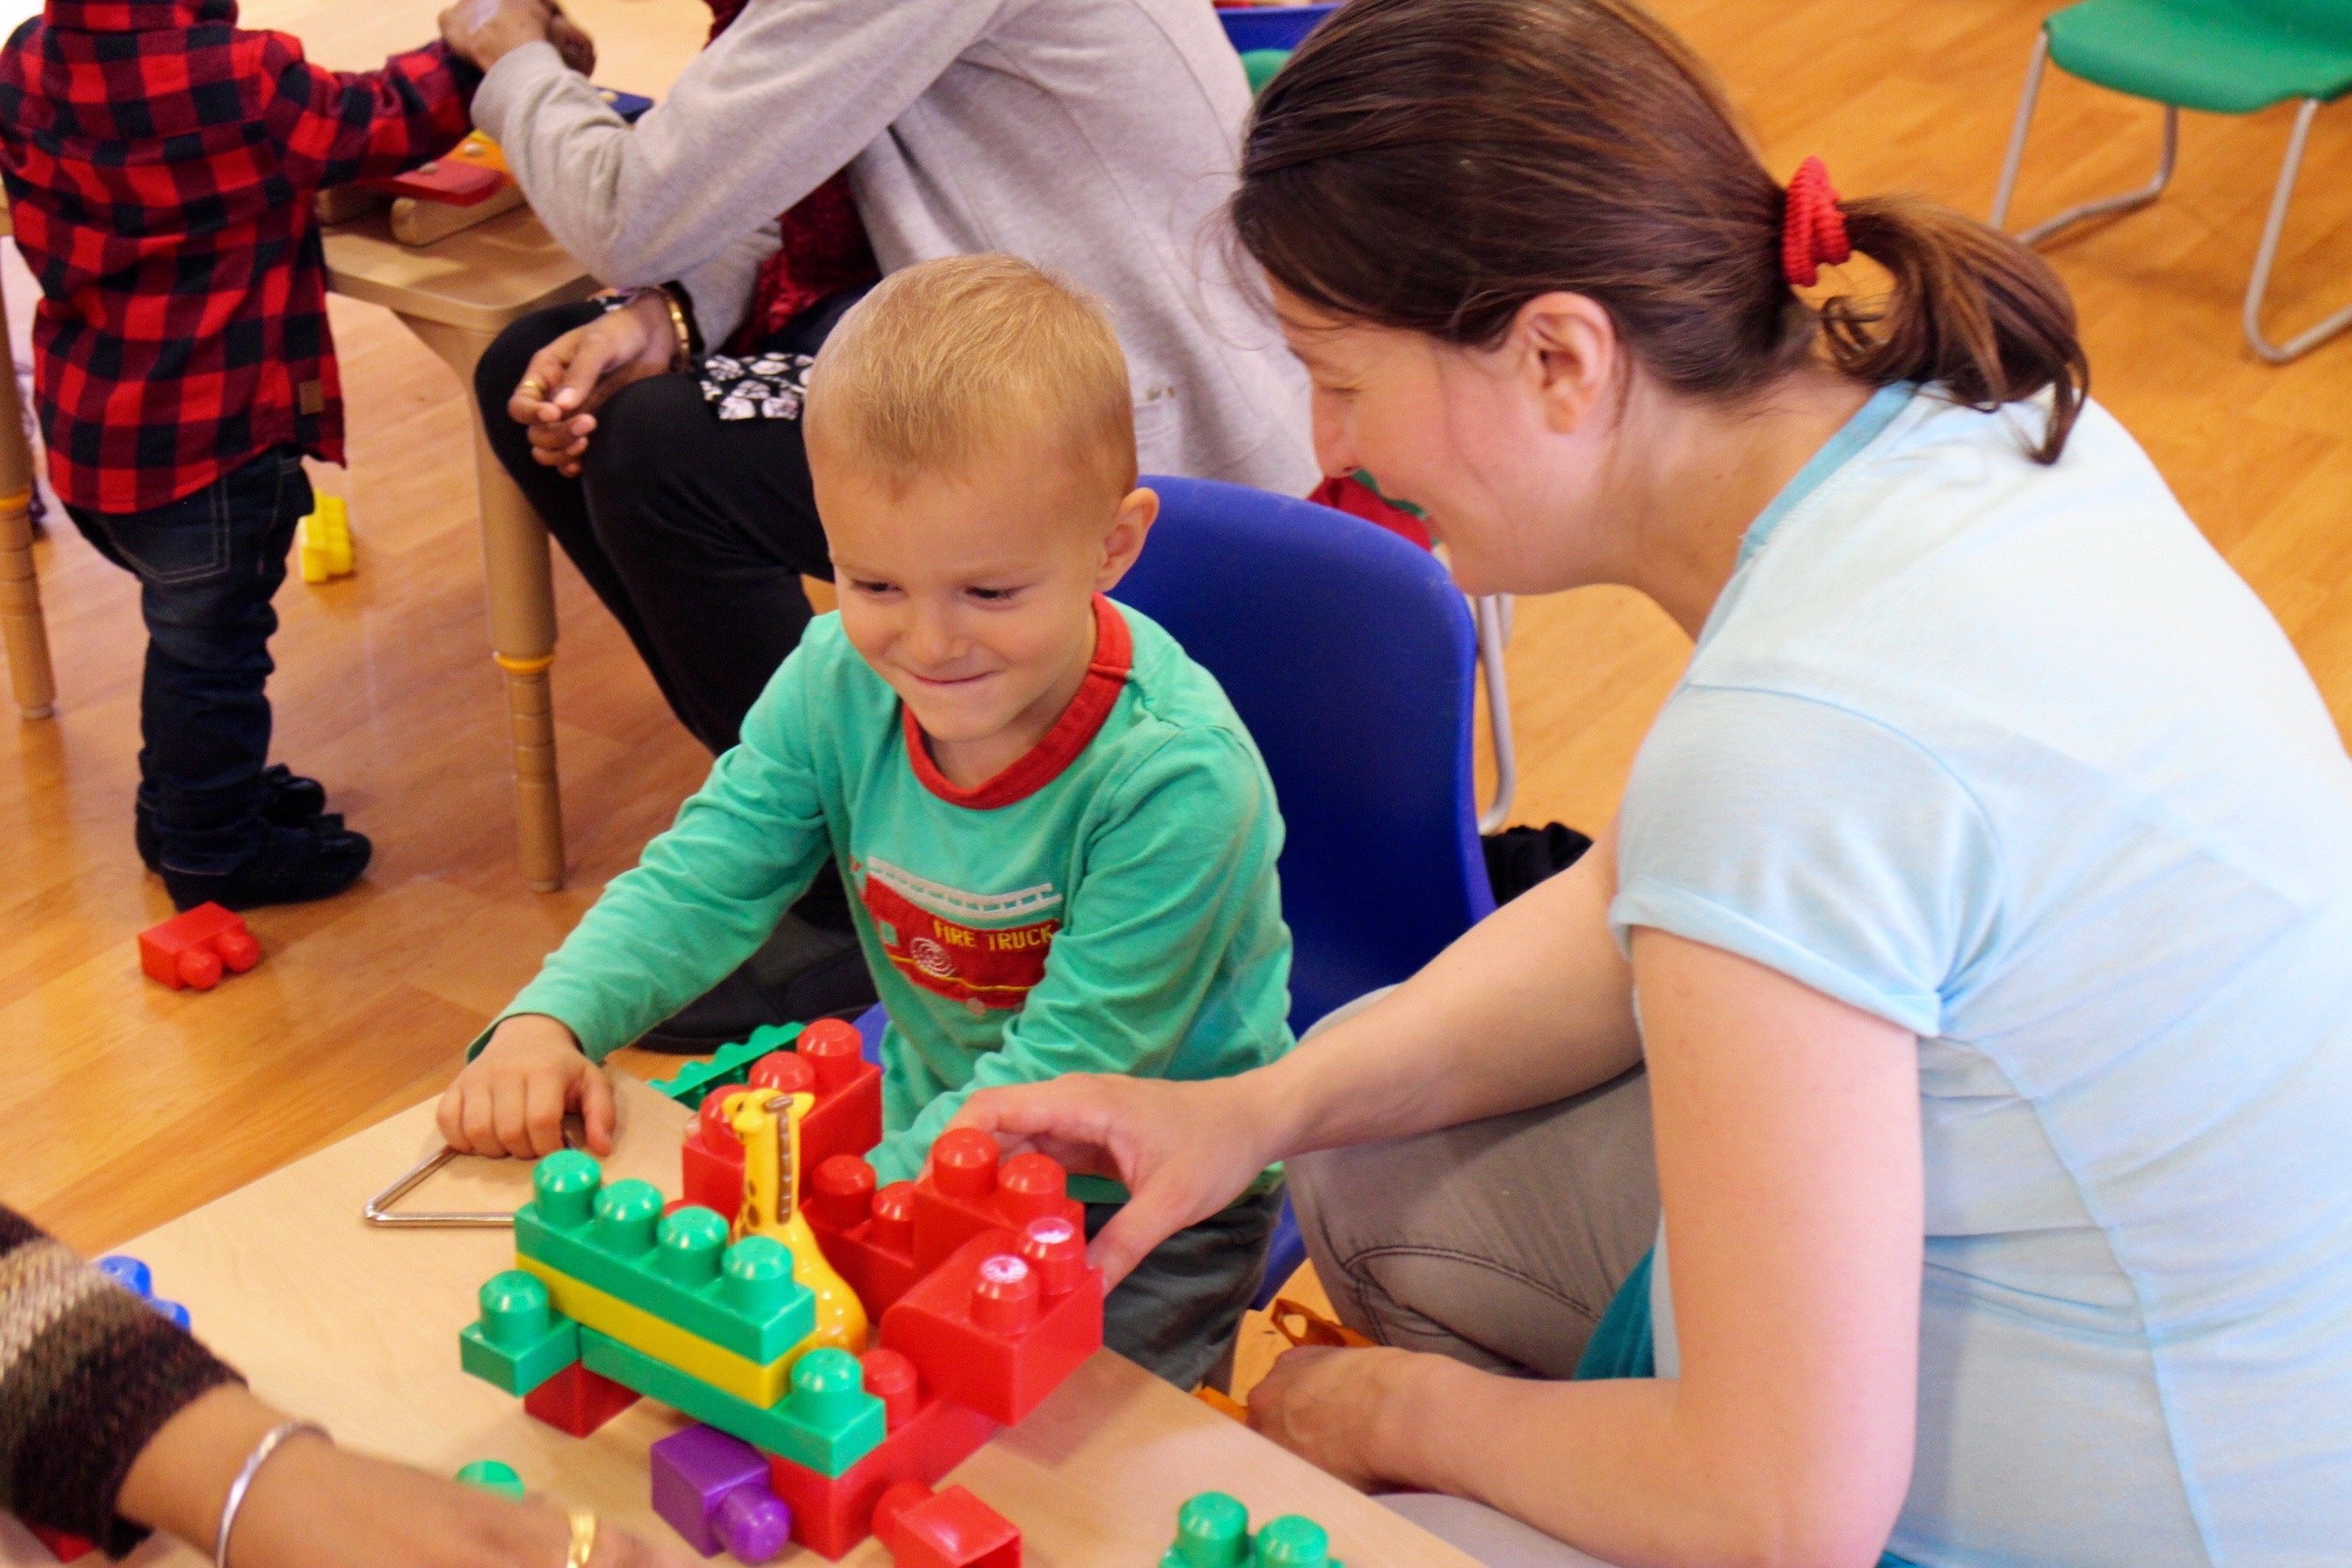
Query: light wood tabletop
(357,1328)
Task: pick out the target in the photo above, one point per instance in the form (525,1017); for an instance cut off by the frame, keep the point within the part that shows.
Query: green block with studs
(826,1424)
(1212,1531)
(521,1340)
(490,1476)
(729,1069)
(677,1267)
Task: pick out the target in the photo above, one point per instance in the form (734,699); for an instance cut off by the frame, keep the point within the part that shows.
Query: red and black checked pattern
(160,163)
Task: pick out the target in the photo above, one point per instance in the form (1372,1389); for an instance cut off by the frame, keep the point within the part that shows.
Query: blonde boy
(1059,840)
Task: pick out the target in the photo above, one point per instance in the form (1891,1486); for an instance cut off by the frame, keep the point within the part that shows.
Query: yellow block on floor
(322,543)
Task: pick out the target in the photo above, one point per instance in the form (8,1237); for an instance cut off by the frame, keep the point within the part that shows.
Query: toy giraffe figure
(772,1191)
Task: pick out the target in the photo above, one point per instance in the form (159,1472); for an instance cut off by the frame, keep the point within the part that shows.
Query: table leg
(26,630)
(521,594)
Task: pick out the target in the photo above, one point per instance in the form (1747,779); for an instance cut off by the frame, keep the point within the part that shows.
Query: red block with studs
(193,949)
(928,1438)
(965,1193)
(953,1528)
(1006,1318)
(63,1547)
(869,1236)
(825,1061)
(578,1401)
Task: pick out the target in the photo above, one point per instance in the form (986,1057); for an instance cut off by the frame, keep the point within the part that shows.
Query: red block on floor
(194,949)
(928,1436)
(1004,1321)
(63,1547)
(963,1193)
(578,1401)
(953,1528)
(867,1236)
(845,1120)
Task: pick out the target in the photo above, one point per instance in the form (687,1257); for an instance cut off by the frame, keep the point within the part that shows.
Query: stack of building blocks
(1212,1531)
(194,949)
(322,540)
(616,1294)
(951,1528)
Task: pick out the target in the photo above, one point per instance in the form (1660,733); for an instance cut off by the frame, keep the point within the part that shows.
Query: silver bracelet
(253,1463)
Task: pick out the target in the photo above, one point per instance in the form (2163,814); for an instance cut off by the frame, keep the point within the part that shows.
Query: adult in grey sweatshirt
(1098,138)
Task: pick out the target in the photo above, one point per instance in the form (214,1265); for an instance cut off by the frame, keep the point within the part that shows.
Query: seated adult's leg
(710,524)
(1499,1242)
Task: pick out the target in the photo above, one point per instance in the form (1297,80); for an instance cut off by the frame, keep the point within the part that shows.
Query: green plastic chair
(2223,57)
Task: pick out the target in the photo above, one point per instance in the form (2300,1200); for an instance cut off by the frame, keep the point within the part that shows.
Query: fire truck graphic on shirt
(985,950)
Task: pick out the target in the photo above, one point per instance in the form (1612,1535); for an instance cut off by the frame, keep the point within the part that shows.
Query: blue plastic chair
(1271,27)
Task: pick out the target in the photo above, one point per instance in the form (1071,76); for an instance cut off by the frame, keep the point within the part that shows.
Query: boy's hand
(511,1099)
(576,375)
(485,30)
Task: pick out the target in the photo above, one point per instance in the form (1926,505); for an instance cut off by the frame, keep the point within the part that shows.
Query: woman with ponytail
(1919,1127)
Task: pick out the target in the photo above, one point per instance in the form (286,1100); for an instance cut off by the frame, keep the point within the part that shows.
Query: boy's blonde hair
(949,360)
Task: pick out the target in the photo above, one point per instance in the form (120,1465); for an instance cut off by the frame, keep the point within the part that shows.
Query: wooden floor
(123,1104)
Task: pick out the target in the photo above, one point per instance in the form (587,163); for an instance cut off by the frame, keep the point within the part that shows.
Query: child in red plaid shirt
(160,163)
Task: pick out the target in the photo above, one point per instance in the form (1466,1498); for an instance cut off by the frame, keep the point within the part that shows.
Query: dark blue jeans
(208,565)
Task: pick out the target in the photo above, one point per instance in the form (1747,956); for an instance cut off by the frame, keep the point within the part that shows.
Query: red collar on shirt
(1072,733)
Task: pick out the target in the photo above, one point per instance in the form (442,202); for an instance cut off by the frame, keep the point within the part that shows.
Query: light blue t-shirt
(2007,754)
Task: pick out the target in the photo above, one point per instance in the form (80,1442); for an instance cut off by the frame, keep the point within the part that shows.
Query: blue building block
(521,1340)
(129,1273)
(677,1267)
(826,1424)
(729,1069)
(174,1313)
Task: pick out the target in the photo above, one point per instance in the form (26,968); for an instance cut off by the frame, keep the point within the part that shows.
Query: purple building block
(714,1492)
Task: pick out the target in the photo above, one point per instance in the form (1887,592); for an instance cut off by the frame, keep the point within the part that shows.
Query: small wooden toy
(322,542)
(194,948)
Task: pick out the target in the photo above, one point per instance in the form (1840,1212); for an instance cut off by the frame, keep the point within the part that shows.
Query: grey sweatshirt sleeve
(719,291)
(778,103)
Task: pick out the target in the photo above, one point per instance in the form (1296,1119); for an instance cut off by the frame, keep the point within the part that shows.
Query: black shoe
(800,972)
(293,865)
(287,800)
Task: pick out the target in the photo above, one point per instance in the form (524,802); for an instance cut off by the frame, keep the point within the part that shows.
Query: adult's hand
(485,30)
(575,375)
(573,42)
(1334,1407)
(314,1505)
(1184,1150)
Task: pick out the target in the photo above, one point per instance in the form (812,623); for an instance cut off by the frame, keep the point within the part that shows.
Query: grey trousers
(1499,1243)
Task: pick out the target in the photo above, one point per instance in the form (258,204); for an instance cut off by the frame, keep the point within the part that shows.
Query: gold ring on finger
(583,1537)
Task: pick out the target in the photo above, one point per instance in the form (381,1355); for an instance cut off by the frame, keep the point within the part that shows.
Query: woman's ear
(1568,350)
(1129,527)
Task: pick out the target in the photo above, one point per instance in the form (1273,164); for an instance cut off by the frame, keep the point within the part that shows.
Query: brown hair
(1435,164)
(947,361)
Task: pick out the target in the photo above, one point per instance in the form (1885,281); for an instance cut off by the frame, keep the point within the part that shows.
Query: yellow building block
(748,1380)
(324,542)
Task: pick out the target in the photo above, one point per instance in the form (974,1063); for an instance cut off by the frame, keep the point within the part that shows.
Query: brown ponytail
(1433,166)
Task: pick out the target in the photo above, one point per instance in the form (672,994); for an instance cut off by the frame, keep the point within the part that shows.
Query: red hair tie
(1812,230)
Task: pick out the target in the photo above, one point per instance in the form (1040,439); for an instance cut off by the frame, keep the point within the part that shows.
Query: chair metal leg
(2304,342)
(1493,616)
(2007,190)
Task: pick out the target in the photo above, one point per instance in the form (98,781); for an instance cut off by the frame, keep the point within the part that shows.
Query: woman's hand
(1330,1408)
(313,1505)
(485,30)
(573,42)
(578,373)
(1184,1150)
(511,1099)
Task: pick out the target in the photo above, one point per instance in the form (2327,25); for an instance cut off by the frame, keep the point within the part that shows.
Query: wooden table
(457,295)
(358,1329)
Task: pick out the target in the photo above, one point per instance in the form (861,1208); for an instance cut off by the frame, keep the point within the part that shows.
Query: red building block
(867,1236)
(963,1193)
(63,1547)
(953,1528)
(845,1120)
(928,1436)
(194,948)
(578,1401)
(1003,1322)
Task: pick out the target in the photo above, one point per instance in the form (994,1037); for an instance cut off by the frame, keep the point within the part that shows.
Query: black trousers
(694,532)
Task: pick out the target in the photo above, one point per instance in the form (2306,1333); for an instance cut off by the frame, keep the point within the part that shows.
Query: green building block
(1212,1531)
(729,1069)
(679,1267)
(521,1340)
(826,1424)
(491,1476)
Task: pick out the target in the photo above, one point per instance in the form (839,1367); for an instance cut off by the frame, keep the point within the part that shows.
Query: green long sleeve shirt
(1108,903)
